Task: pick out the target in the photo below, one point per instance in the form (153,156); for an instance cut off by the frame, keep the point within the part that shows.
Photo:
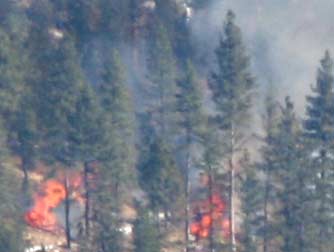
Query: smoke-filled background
(285,38)
(120,129)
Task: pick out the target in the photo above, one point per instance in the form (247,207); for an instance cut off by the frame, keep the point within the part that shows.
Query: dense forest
(113,106)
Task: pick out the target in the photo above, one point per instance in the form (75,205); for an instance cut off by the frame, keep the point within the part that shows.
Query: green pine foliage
(11,75)
(162,75)
(189,103)
(146,233)
(286,197)
(85,131)
(11,223)
(105,232)
(160,177)
(70,74)
(190,108)
(319,130)
(319,124)
(115,151)
(251,190)
(231,83)
(25,131)
(268,166)
(118,121)
(290,177)
(15,92)
(57,90)
(232,87)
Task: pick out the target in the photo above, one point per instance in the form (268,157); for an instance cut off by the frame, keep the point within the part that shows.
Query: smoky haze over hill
(286,39)
(146,125)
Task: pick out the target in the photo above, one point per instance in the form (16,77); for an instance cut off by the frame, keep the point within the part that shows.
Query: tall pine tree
(251,196)
(189,104)
(232,86)
(319,129)
(11,223)
(268,166)
(57,88)
(146,234)
(117,154)
(162,75)
(290,178)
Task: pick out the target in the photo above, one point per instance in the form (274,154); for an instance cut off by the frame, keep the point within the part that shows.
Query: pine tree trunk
(25,181)
(301,223)
(135,50)
(87,199)
(162,114)
(135,28)
(322,210)
(211,241)
(186,209)
(300,238)
(186,193)
(67,213)
(231,192)
(116,195)
(231,206)
(265,212)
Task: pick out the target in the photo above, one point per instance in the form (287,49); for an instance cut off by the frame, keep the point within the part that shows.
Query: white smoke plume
(286,39)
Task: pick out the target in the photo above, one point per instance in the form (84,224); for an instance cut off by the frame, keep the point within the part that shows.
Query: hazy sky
(286,38)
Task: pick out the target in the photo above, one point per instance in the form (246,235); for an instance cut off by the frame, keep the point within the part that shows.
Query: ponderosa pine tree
(268,166)
(24,127)
(161,179)
(117,153)
(162,75)
(158,173)
(13,69)
(319,129)
(286,205)
(22,124)
(58,86)
(251,197)
(13,34)
(146,233)
(11,75)
(57,89)
(291,183)
(232,87)
(11,224)
(189,105)
(106,236)
(86,139)
(118,119)
(211,164)
(171,14)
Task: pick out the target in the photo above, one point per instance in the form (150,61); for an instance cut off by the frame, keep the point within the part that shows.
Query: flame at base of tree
(50,196)
(211,213)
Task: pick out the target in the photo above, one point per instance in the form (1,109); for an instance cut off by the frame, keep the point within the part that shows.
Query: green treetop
(161,73)
(232,87)
(319,130)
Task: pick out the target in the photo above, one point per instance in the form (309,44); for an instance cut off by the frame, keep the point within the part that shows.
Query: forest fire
(50,196)
(208,214)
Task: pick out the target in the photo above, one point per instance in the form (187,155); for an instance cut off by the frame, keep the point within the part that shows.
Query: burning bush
(209,213)
(50,196)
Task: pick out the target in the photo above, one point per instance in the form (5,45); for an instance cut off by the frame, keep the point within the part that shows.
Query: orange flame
(51,195)
(208,212)
(226,227)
